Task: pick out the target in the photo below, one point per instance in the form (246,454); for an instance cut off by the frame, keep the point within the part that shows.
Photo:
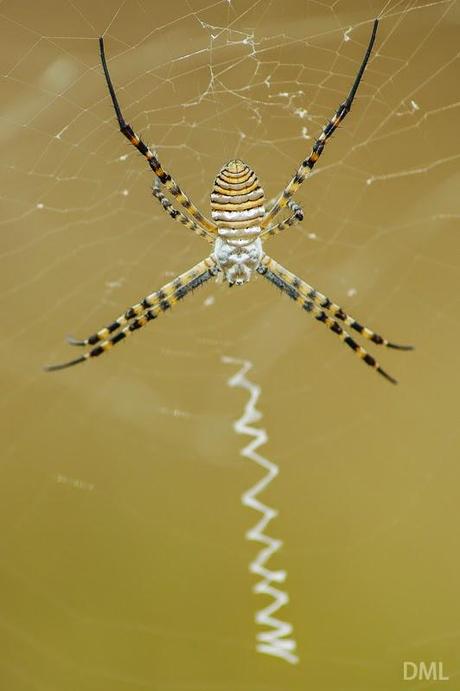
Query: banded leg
(282,279)
(146,310)
(308,292)
(165,178)
(296,217)
(178,215)
(307,164)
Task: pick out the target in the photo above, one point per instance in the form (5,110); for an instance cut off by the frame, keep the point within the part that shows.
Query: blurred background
(125,562)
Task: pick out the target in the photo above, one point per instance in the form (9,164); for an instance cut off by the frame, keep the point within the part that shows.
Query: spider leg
(308,163)
(178,215)
(299,291)
(296,217)
(153,161)
(307,291)
(146,310)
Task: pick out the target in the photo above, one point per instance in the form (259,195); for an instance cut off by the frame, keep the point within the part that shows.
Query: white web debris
(410,109)
(163,410)
(74,482)
(113,285)
(301,113)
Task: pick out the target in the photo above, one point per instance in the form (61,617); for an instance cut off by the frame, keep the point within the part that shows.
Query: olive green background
(124,563)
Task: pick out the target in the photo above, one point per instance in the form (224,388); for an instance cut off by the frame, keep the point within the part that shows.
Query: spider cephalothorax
(240,225)
(237,208)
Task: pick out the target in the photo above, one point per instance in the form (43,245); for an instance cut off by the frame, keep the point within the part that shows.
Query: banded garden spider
(239,227)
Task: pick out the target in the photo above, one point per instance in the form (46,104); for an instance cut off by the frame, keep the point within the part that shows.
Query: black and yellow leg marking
(297,290)
(178,215)
(319,300)
(164,177)
(296,217)
(146,310)
(307,164)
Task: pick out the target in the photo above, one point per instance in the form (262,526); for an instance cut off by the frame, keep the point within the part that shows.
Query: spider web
(123,562)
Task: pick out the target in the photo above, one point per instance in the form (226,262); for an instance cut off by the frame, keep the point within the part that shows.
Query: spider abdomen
(237,206)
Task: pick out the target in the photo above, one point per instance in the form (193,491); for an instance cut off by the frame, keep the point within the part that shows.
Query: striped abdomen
(237,204)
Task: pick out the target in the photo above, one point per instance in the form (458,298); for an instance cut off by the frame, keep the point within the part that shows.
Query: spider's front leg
(146,310)
(319,305)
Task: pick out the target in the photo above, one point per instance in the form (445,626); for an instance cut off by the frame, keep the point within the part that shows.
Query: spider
(240,225)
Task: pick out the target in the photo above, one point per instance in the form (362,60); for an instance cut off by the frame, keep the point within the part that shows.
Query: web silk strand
(276,640)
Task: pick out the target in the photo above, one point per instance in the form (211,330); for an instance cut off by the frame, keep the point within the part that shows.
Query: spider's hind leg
(292,220)
(165,178)
(178,215)
(308,163)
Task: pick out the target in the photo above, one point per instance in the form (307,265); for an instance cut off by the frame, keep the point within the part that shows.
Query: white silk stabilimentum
(277,640)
